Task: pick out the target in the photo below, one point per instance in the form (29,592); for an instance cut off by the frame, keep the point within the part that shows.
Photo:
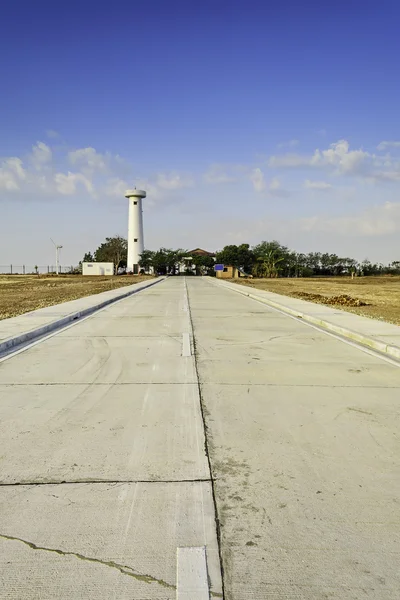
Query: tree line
(266,259)
(163,261)
(272,259)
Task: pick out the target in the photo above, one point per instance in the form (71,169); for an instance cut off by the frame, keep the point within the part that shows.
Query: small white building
(97,268)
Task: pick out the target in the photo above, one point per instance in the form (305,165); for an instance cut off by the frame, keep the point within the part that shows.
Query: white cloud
(375,221)
(8,181)
(116,187)
(386,145)
(258,180)
(89,159)
(317,185)
(289,161)
(378,176)
(289,144)
(337,157)
(41,155)
(260,184)
(90,173)
(172,181)
(14,165)
(51,133)
(66,184)
(217,174)
(158,186)
(275,184)
(11,174)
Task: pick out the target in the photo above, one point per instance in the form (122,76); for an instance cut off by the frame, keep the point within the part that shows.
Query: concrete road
(104,460)
(102,463)
(303,435)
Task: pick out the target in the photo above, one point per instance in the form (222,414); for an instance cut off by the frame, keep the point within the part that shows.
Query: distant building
(187,262)
(97,268)
(228,272)
(201,252)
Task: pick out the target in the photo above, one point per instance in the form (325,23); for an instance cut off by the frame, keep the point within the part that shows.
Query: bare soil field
(21,294)
(375,297)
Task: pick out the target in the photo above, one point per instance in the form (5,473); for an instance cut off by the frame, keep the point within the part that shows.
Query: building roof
(201,252)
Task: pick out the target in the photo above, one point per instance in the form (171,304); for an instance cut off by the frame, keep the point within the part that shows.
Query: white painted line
(186,351)
(192,578)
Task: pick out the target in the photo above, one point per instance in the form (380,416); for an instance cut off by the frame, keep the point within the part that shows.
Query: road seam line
(101,481)
(206,447)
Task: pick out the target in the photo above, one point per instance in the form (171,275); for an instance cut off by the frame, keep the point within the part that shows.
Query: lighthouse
(135,229)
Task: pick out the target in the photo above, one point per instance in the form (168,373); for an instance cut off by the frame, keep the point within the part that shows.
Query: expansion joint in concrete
(102,481)
(206,444)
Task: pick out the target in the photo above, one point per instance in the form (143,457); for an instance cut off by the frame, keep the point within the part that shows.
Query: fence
(36,270)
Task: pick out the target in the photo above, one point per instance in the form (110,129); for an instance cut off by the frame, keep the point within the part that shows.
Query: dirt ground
(21,294)
(375,297)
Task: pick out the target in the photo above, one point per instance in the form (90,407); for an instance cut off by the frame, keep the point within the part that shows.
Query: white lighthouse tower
(135,229)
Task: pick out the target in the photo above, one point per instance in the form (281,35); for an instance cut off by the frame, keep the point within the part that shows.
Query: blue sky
(243,121)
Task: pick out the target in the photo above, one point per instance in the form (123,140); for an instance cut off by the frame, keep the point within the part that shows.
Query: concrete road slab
(371,329)
(307,489)
(302,433)
(277,345)
(56,433)
(101,360)
(169,302)
(102,541)
(111,398)
(256,371)
(130,326)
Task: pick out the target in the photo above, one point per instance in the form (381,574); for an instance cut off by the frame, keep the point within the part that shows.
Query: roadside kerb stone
(38,332)
(345,332)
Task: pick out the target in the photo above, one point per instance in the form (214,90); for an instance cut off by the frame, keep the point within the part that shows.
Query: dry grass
(21,294)
(381,295)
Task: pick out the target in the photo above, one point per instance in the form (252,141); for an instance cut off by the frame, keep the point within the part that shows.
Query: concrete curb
(359,338)
(34,334)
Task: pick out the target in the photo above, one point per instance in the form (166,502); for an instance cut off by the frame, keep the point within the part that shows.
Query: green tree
(313,262)
(166,260)
(228,256)
(115,250)
(88,257)
(174,258)
(160,262)
(240,256)
(245,257)
(146,259)
(270,259)
(204,264)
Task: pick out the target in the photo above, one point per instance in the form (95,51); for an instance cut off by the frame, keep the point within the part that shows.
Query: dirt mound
(342,300)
